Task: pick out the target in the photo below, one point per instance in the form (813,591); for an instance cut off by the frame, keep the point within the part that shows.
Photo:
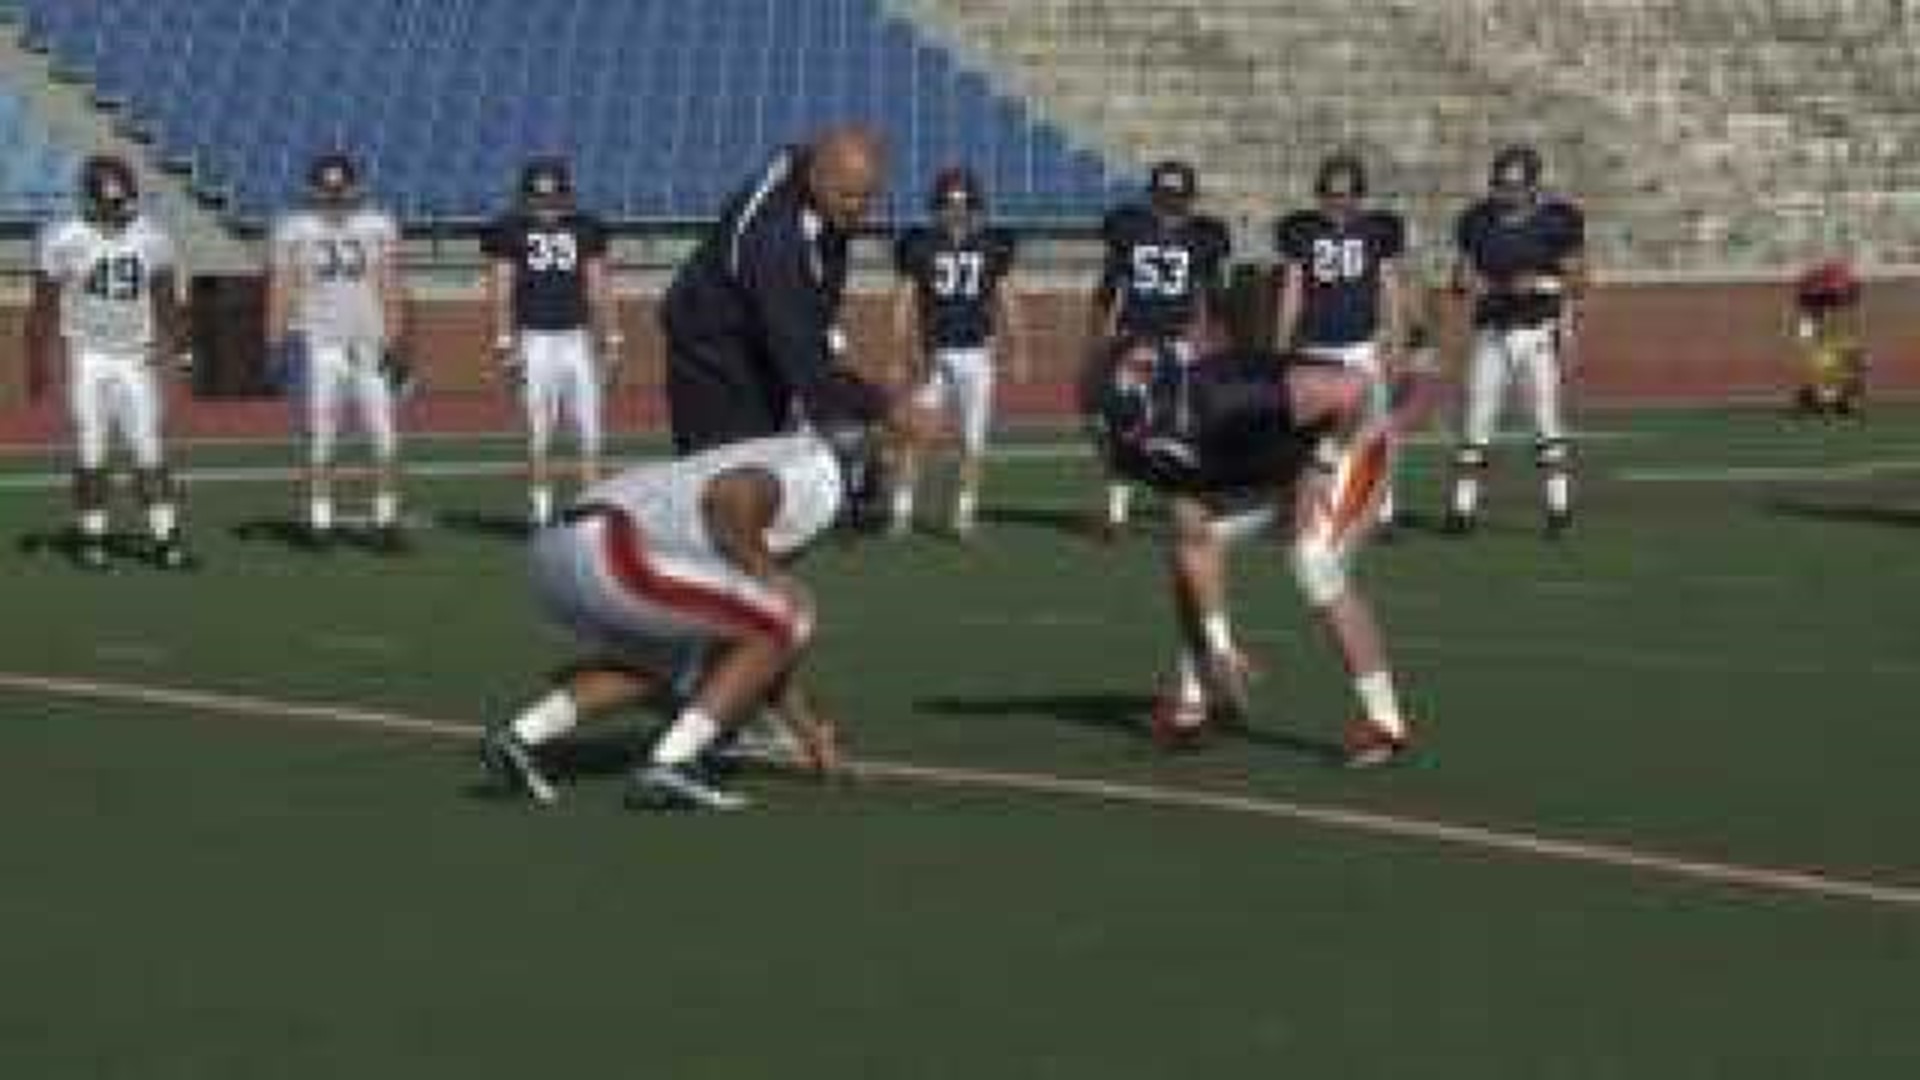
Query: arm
(800,712)
(1292,294)
(1393,309)
(738,507)
(281,283)
(393,297)
(906,360)
(796,313)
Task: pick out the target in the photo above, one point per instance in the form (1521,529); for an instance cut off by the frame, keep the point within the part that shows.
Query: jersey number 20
(1335,261)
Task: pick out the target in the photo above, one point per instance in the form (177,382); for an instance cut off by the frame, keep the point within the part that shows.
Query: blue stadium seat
(667,102)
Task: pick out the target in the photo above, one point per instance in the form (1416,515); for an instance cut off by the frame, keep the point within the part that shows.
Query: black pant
(720,391)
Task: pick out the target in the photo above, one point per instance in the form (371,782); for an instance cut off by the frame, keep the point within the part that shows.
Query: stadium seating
(36,172)
(1706,134)
(666,104)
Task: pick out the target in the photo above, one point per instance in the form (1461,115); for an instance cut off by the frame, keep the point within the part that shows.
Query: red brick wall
(1678,342)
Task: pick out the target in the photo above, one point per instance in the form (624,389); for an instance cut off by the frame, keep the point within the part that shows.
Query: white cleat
(678,787)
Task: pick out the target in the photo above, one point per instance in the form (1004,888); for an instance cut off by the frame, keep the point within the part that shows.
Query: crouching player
(688,558)
(1827,327)
(1254,440)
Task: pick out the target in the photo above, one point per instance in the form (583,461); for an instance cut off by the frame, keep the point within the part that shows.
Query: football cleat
(1367,744)
(678,787)
(1177,723)
(1458,524)
(316,540)
(171,554)
(1227,676)
(1559,523)
(92,555)
(512,765)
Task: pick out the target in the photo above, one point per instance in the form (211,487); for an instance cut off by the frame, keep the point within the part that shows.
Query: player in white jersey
(105,293)
(335,300)
(688,559)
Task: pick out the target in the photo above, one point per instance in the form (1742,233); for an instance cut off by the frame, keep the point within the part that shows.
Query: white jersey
(332,264)
(665,498)
(105,278)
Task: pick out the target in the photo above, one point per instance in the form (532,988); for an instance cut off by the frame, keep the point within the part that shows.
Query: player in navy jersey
(1161,280)
(1340,288)
(953,308)
(1521,261)
(1258,441)
(551,295)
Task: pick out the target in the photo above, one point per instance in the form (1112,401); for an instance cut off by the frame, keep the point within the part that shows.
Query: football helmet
(1172,185)
(109,194)
(956,196)
(1340,175)
(1516,173)
(333,181)
(546,186)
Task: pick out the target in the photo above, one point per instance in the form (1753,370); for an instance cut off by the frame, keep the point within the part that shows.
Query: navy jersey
(1160,270)
(1340,262)
(549,258)
(957,279)
(1501,251)
(1221,426)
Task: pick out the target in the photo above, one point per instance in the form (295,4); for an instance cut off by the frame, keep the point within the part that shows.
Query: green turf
(1723,670)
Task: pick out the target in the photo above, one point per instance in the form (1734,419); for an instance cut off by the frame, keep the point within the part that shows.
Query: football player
(1161,280)
(551,298)
(1522,263)
(105,296)
(1260,440)
(953,304)
(690,558)
(1340,285)
(334,299)
(1828,331)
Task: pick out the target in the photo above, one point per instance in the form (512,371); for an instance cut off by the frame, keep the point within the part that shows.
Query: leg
(587,410)
(87,407)
(973,403)
(327,374)
(934,393)
(539,391)
(375,397)
(586,690)
(1485,389)
(1323,549)
(1552,453)
(141,422)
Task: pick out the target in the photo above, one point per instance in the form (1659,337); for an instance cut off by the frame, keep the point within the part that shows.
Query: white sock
(1377,700)
(1466,495)
(162,519)
(1119,497)
(93,524)
(320,514)
(1386,507)
(1188,685)
(964,505)
(689,735)
(386,509)
(1559,492)
(549,718)
(903,504)
(540,504)
(1216,632)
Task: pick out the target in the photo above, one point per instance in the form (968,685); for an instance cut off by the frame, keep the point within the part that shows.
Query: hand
(1567,350)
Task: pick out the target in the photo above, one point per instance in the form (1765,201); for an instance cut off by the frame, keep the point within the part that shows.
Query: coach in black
(751,319)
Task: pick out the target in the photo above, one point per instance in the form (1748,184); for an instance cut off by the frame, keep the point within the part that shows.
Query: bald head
(845,169)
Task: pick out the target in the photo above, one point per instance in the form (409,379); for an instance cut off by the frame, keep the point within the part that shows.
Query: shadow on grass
(505,527)
(1124,714)
(1850,513)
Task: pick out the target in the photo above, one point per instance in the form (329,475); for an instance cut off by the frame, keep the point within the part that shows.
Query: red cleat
(1177,724)
(1368,744)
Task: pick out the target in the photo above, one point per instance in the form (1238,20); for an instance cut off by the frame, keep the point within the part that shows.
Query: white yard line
(1480,838)
(1770,474)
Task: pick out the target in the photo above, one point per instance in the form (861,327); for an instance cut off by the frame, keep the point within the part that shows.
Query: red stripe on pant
(1363,479)
(626,557)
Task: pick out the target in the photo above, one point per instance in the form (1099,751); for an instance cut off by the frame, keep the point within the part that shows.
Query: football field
(1662,822)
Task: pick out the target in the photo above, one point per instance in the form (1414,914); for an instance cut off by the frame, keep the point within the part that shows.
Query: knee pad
(1319,569)
(1470,456)
(154,485)
(1552,453)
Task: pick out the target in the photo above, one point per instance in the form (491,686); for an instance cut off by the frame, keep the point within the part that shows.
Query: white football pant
(338,374)
(1529,353)
(114,391)
(559,379)
(961,382)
